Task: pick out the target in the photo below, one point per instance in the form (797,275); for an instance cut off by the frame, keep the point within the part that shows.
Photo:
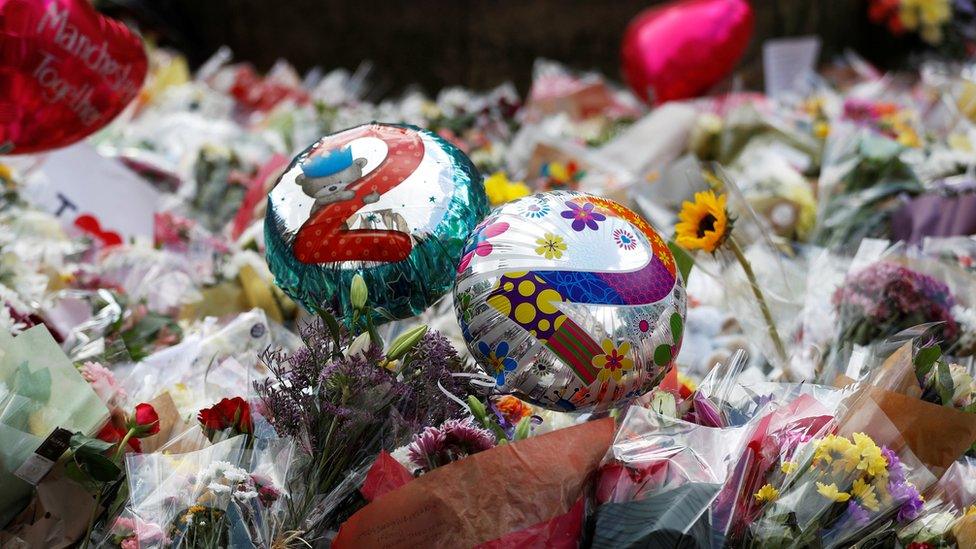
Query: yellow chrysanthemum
(767,493)
(864,492)
(501,190)
(704,223)
(831,492)
(788,467)
(872,460)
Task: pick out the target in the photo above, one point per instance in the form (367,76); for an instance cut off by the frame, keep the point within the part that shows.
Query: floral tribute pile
(157,389)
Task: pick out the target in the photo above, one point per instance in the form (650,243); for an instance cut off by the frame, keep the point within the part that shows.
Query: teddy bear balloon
(393,203)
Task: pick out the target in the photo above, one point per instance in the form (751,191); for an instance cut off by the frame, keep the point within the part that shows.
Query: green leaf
(523,428)
(100,467)
(331,323)
(682,260)
(925,359)
(945,384)
(79,441)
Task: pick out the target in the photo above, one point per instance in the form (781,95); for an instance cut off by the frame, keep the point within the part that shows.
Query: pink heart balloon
(65,71)
(681,49)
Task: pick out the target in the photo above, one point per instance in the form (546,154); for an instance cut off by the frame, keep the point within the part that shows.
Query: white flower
(244,495)
(8,324)
(236,474)
(962,382)
(218,488)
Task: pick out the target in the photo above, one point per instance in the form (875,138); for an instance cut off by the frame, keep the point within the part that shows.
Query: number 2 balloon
(65,71)
(392,203)
(570,301)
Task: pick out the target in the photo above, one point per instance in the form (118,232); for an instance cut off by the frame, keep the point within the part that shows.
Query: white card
(77,181)
(786,60)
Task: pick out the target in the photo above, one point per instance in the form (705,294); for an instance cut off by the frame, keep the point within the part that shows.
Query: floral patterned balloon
(570,301)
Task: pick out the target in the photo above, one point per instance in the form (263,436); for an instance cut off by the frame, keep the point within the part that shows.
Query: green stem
(98,498)
(767,316)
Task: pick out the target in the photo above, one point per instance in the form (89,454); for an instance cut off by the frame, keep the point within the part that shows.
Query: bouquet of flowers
(862,177)
(886,297)
(344,400)
(219,496)
(835,488)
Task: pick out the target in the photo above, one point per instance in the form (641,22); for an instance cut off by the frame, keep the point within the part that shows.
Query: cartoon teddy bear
(328,178)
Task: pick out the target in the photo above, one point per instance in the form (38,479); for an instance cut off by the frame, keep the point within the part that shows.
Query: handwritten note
(98,195)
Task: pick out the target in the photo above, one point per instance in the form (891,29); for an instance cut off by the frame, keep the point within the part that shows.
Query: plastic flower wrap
(40,390)
(948,517)
(863,174)
(840,484)
(215,497)
(659,480)
(216,359)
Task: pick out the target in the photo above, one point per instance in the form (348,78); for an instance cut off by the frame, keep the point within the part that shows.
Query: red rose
(229,413)
(145,422)
(111,433)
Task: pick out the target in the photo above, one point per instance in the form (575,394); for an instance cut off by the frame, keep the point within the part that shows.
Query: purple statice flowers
(886,298)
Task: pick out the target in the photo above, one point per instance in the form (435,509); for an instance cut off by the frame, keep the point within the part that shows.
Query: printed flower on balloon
(550,246)
(583,216)
(481,246)
(499,362)
(614,360)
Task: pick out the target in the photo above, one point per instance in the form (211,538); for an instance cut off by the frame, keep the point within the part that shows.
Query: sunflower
(704,223)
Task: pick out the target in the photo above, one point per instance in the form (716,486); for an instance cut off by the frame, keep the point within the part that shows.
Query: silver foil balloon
(570,301)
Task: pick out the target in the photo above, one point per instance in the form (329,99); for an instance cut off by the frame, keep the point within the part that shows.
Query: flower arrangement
(886,298)
(835,488)
(344,400)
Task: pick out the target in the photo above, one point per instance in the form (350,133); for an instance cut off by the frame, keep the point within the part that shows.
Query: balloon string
(480,380)
(451,396)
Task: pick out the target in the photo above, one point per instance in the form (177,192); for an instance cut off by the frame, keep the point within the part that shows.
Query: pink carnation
(103,382)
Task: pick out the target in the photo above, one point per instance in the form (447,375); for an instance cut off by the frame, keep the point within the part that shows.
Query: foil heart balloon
(65,71)
(681,49)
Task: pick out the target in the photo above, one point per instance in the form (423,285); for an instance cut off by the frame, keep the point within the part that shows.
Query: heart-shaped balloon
(65,71)
(681,49)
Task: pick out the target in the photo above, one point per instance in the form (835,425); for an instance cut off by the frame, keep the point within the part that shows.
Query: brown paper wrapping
(484,496)
(937,435)
(57,517)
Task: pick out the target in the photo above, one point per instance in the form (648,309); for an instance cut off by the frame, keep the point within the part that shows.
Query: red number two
(324,237)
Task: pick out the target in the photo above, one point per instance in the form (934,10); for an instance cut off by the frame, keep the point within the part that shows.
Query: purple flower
(857,515)
(886,298)
(583,216)
(909,500)
(455,439)
(896,471)
(706,413)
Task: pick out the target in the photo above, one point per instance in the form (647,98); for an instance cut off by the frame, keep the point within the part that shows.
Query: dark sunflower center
(706,224)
